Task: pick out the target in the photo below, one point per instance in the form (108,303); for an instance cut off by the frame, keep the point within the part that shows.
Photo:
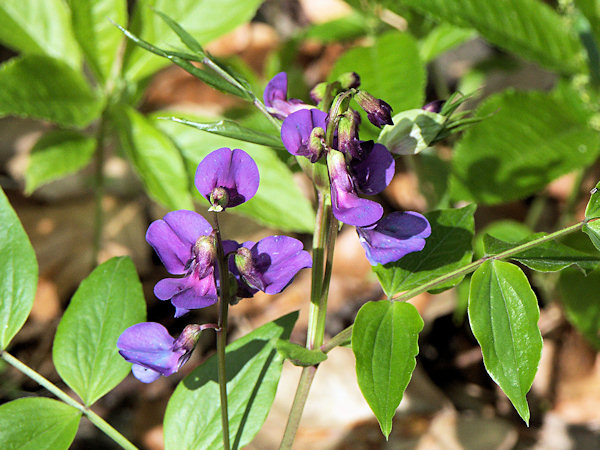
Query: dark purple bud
(275,98)
(349,80)
(378,112)
(346,205)
(434,107)
(317,94)
(297,129)
(375,171)
(154,352)
(348,142)
(232,171)
(394,236)
(271,263)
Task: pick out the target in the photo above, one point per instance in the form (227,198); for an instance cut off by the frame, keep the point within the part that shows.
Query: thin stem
(263,109)
(306,378)
(92,416)
(222,332)
(98,190)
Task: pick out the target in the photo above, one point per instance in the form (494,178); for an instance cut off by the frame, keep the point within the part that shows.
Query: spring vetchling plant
(224,401)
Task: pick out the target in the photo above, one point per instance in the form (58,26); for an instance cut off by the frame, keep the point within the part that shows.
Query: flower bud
(348,142)
(318,92)
(434,106)
(316,143)
(378,112)
(187,340)
(349,80)
(218,198)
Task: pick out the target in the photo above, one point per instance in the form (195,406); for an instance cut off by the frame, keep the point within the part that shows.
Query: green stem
(344,335)
(306,378)
(99,190)
(222,333)
(92,416)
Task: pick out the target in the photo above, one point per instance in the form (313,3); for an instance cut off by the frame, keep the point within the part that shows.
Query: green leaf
(205,21)
(442,38)
(528,28)
(345,28)
(385,339)
(505,230)
(231,129)
(277,190)
(546,257)
(413,131)
(156,160)
(56,154)
(37,423)
(193,418)
(503,313)
(592,209)
(591,10)
(41,27)
(530,139)
(98,37)
(390,69)
(45,88)
(18,273)
(85,353)
(579,296)
(299,355)
(447,249)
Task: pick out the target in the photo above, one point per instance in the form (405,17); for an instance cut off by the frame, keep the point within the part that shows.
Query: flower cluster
(187,245)
(355,167)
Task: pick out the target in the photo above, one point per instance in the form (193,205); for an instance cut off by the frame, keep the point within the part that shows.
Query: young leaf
(413,131)
(503,313)
(45,88)
(530,139)
(299,355)
(38,423)
(85,353)
(204,21)
(385,342)
(56,154)
(192,419)
(579,296)
(277,190)
(18,273)
(155,159)
(98,38)
(40,27)
(526,27)
(447,249)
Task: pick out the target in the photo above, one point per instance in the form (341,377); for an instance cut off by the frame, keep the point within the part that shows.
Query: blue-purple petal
(375,171)
(296,129)
(188,292)
(144,374)
(276,89)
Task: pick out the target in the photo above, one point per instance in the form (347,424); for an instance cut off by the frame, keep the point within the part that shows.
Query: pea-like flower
(154,352)
(227,178)
(275,98)
(300,130)
(374,172)
(378,112)
(394,236)
(185,244)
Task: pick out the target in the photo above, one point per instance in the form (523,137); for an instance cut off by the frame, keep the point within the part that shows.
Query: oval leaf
(385,342)
(18,273)
(503,313)
(85,353)
(38,423)
(193,419)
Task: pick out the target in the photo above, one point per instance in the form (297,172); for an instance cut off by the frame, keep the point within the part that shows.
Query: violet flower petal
(394,236)
(296,129)
(144,374)
(233,170)
(375,172)
(173,237)
(188,292)
(275,98)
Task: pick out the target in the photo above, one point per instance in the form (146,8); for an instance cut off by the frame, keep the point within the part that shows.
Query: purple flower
(346,205)
(299,131)
(275,98)
(271,263)
(227,178)
(375,171)
(154,352)
(378,112)
(394,236)
(348,142)
(434,106)
(184,242)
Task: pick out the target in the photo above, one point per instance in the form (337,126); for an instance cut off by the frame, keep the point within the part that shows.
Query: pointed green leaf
(528,28)
(85,353)
(385,339)
(413,131)
(41,27)
(193,418)
(56,154)
(45,88)
(156,160)
(18,273)
(98,37)
(592,209)
(37,423)
(503,313)
(299,355)
(447,249)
